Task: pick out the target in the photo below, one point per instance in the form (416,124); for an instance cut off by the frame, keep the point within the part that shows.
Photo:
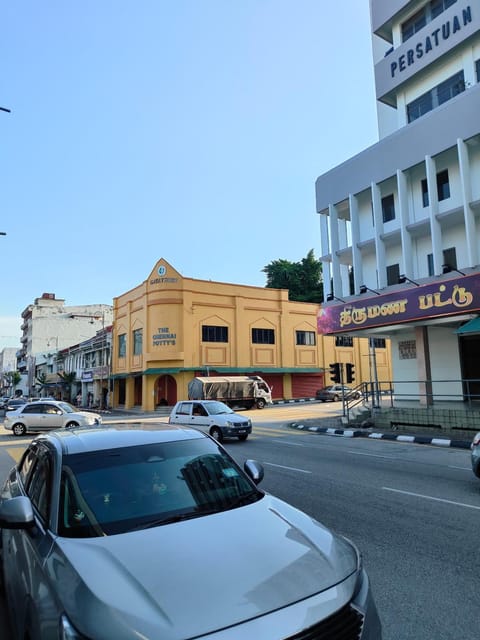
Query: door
(182,414)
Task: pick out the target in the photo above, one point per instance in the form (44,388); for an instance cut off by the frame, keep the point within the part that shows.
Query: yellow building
(169,329)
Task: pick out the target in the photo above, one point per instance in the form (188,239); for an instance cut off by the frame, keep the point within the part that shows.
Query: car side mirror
(17,513)
(254,470)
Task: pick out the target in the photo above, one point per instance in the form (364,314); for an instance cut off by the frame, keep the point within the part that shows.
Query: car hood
(194,577)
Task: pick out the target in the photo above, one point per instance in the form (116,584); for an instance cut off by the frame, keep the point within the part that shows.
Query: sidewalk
(334,427)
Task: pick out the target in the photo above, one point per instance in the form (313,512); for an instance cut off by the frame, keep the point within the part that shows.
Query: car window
(105,493)
(216,408)
(184,408)
(39,484)
(199,410)
(32,408)
(26,464)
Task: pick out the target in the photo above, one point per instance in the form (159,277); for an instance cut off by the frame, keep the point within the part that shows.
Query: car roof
(104,437)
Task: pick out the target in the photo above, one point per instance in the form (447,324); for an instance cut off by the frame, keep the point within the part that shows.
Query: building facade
(400,243)
(169,329)
(48,325)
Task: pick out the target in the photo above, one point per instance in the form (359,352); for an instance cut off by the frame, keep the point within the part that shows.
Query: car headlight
(68,631)
(230,423)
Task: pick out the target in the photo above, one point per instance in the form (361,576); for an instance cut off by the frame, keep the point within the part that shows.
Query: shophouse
(170,328)
(403,214)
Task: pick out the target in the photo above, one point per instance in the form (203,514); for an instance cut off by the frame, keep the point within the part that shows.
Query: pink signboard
(434,300)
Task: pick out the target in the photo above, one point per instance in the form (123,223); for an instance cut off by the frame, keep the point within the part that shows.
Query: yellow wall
(171,310)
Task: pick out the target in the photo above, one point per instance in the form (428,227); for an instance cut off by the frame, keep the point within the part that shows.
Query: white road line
(419,495)
(372,455)
(270,464)
(294,444)
(452,466)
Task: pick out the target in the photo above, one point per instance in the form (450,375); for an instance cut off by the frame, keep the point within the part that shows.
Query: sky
(189,130)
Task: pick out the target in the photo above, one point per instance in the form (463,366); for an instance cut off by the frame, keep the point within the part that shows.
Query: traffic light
(350,372)
(335,374)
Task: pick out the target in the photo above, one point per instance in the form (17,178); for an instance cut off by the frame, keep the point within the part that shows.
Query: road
(413,510)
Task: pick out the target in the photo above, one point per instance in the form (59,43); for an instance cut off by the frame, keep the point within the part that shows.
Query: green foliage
(302,279)
(13,378)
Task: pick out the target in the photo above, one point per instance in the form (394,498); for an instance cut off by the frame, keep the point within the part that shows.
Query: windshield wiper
(246,498)
(179,517)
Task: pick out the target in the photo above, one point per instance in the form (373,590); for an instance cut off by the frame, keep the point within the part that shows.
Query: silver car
(212,416)
(154,532)
(45,415)
(475,454)
(336,392)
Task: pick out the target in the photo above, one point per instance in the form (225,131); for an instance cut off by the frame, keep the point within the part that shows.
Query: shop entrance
(165,391)
(470,357)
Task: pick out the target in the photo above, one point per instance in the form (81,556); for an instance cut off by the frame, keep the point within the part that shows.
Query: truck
(234,391)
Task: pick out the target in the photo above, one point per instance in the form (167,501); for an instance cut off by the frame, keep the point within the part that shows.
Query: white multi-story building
(49,326)
(400,243)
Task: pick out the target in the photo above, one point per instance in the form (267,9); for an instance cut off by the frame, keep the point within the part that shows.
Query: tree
(302,279)
(68,379)
(13,378)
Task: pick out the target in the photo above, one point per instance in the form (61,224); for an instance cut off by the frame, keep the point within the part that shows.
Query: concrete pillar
(407,255)
(379,244)
(468,214)
(423,366)
(356,253)
(435,228)
(334,246)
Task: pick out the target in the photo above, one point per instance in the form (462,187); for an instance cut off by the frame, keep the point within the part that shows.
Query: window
(393,274)
(39,485)
(425,199)
(443,188)
(436,96)
(263,336)
(439,6)
(138,342)
(378,343)
(388,208)
(430,264)
(443,185)
(305,338)
(214,334)
(122,345)
(450,257)
(414,24)
(431,11)
(343,341)
(477,69)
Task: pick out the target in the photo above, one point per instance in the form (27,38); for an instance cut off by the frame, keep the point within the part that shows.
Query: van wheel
(260,403)
(19,429)
(216,434)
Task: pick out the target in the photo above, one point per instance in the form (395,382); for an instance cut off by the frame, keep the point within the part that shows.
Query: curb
(361,433)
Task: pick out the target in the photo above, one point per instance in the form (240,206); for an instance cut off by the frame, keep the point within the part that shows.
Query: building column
(334,246)
(356,253)
(129,392)
(148,392)
(435,228)
(404,214)
(468,215)
(423,366)
(379,244)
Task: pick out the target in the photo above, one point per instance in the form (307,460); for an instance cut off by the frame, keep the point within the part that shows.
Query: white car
(47,415)
(212,416)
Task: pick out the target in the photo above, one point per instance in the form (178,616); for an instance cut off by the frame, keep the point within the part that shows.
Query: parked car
(212,416)
(14,403)
(156,532)
(475,448)
(333,393)
(44,415)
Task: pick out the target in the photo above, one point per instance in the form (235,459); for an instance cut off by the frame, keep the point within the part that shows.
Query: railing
(423,393)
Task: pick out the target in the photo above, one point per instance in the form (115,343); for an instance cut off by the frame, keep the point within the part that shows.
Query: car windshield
(131,488)
(68,408)
(216,408)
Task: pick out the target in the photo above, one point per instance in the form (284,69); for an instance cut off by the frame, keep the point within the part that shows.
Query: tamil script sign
(447,298)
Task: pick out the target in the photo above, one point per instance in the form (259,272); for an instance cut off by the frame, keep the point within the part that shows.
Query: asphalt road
(413,510)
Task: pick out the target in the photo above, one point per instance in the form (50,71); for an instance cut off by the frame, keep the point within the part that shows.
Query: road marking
(281,466)
(420,495)
(372,455)
(15,452)
(451,466)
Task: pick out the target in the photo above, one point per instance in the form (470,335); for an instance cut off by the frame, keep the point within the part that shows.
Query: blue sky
(191,130)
